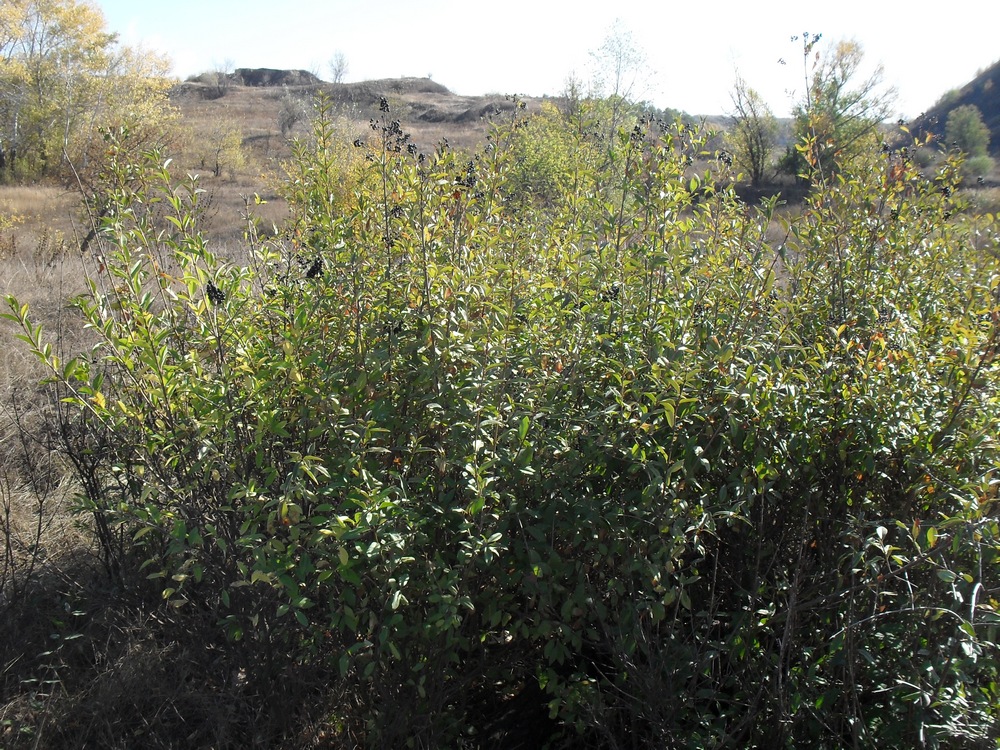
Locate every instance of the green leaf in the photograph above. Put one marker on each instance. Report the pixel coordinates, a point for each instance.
(669, 413)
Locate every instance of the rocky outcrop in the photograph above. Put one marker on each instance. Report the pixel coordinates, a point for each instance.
(273, 77)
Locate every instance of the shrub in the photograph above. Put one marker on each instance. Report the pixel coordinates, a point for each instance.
(613, 470)
(977, 167)
(966, 131)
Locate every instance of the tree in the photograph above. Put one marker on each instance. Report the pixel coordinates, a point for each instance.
(966, 131)
(219, 80)
(222, 150)
(63, 76)
(754, 130)
(338, 67)
(619, 63)
(293, 110)
(839, 113)
(619, 68)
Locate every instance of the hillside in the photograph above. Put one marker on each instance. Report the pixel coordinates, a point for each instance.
(251, 105)
(253, 99)
(983, 91)
(266, 109)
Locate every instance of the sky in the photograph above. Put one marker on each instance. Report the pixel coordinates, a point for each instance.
(693, 49)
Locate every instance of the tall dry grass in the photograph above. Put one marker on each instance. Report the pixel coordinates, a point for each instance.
(36, 201)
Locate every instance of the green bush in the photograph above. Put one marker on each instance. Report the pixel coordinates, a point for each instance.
(607, 470)
(966, 131)
(977, 167)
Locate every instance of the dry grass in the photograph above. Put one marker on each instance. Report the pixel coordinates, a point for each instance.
(985, 200)
(39, 214)
(46, 278)
(37, 200)
(226, 204)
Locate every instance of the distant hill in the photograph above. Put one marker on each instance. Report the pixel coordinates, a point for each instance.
(983, 91)
(417, 99)
(268, 108)
(424, 99)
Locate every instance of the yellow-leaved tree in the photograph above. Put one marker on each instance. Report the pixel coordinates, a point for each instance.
(63, 77)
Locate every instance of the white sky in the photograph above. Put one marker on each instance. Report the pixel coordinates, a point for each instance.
(693, 47)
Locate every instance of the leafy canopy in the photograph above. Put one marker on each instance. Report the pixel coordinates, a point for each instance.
(966, 131)
(841, 109)
(64, 76)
